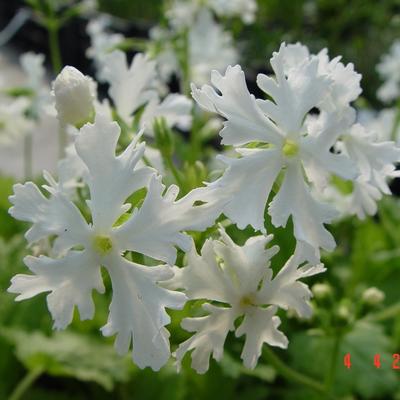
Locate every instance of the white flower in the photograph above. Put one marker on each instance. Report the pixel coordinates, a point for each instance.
(375, 160)
(298, 149)
(389, 70)
(134, 86)
(137, 311)
(217, 54)
(14, 123)
(33, 66)
(244, 9)
(381, 123)
(182, 13)
(345, 87)
(239, 282)
(175, 109)
(102, 42)
(74, 95)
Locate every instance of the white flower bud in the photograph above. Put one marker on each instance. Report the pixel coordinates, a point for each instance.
(373, 296)
(74, 97)
(321, 291)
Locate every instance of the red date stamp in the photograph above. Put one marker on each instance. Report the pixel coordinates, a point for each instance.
(377, 361)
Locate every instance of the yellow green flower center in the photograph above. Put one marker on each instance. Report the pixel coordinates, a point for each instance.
(290, 148)
(102, 244)
(247, 301)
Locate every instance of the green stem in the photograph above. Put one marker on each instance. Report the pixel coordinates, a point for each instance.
(387, 313)
(185, 64)
(171, 166)
(54, 46)
(396, 123)
(330, 377)
(290, 373)
(28, 148)
(24, 385)
(62, 140)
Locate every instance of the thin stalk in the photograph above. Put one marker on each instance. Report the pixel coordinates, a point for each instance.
(62, 140)
(171, 166)
(291, 374)
(54, 46)
(24, 385)
(389, 312)
(330, 377)
(28, 150)
(185, 65)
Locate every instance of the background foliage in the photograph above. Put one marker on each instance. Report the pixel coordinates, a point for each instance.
(80, 364)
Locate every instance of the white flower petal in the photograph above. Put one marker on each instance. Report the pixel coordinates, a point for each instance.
(130, 85)
(260, 326)
(111, 178)
(137, 311)
(155, 229)
(70, 280)
(209, 339)
(49, 216)
(308, 215)
(248, 180)
(245, 122)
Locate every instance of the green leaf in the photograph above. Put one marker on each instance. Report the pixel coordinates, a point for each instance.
(69, 354)
(312, 355)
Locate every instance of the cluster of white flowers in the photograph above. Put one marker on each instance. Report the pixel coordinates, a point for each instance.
(182, 13)
(190, 36)
(389, 69)
(109, 208)
(304, 137)
(19, 110)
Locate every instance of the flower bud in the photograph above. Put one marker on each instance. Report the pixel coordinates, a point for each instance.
(74, 97)
(321, 291)
(373, 296)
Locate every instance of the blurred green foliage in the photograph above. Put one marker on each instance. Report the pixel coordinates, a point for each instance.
(81, 364)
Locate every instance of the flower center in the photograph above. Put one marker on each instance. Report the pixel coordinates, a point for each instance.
(290, 148)
(102, 244)
(247, 301)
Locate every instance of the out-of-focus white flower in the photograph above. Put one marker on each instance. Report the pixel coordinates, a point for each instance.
(132, 87)
(137, 311)
(389, 70)
(33, 66)
(182, 13)
(381, 123)
(216, 55)
(374, 157)
(373, 296)
(175, 109)
(102, 42)
(14, 123)
(239, 282)
(74, 95)
(287, 144)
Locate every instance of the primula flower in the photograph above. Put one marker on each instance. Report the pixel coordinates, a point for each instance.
(133, 86)
(218, 54)
(14, 123)
(182, 14)
(137, 311)
(102, 42)
(389, 70)
(239, 282)
(33, 67)
(275, 140)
